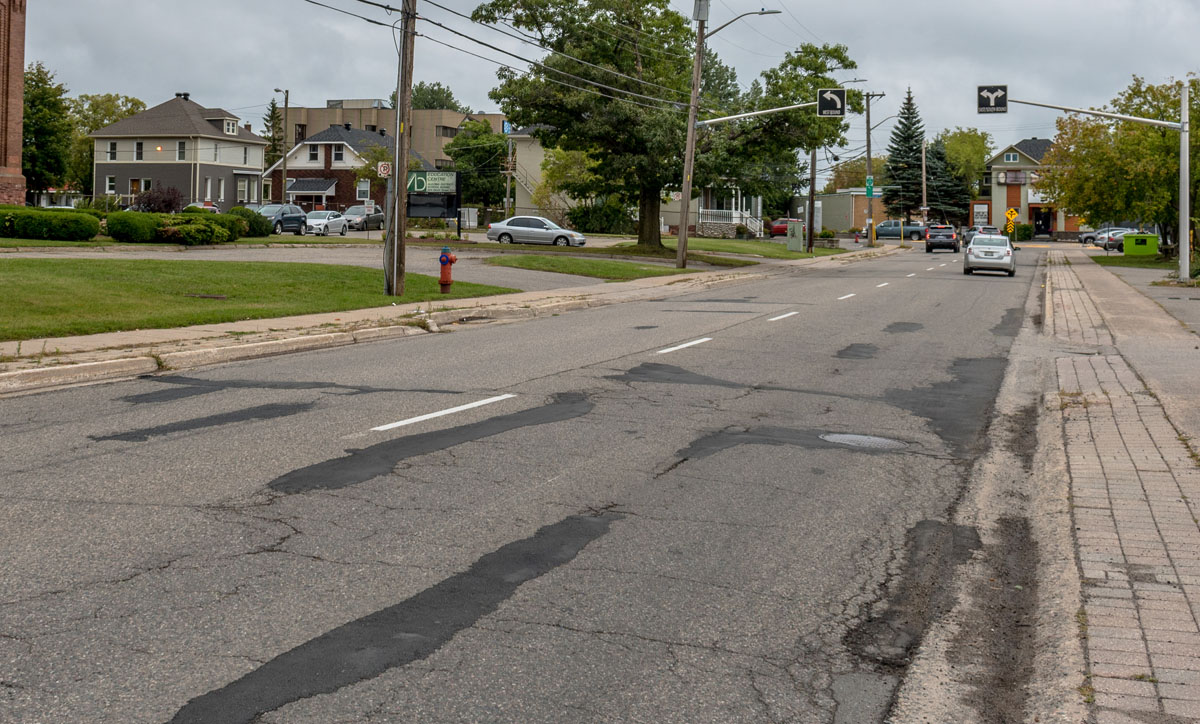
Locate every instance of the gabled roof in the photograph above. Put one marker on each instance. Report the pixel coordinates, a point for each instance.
(1033, 148)
(177, 117)
(311, 186)
(355, 138)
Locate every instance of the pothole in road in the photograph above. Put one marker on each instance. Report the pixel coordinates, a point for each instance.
(867, 441)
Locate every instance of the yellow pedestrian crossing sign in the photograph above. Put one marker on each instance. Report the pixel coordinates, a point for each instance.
(1011, 214)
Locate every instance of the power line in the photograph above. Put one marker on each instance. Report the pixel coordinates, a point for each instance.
(557, 52)
(551, 80)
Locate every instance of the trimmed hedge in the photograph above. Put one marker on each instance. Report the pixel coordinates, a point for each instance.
(257, 224)
(198, 210)
(64, 225)
(234, 226)
(134, 227)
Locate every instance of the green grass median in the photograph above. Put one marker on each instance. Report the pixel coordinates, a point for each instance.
(1137, 262)
(62, 297)
(609, 269)
(765, 249)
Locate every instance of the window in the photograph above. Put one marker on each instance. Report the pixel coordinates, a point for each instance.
(301, 132)
(254, 192)
(110, 184)
(371, 128)
(230, 127)
(220, 189)
(1011, 158)
(137, 151)
(363, 191)
(266, 189)
(314, 153)
(216, 152)
(181, 151)
(443, 163)
(338, 152)
(241, 189)
(112, 150)
(208, 188)
(445, 131)
(245, 155)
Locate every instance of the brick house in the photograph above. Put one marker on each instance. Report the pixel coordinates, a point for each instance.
(204, 152)
(1010, 182)
(321, 169)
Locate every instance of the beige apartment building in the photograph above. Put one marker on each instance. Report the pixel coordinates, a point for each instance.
(429, 131)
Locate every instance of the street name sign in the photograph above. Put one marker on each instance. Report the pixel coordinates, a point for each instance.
(992, 99)
(831, 102)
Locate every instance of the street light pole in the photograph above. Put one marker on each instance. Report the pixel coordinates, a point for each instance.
(1185, 185)
(700, 14)
(286, 148)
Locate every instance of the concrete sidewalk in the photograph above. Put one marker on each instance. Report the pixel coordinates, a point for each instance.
(44, 363)
(1129, 400)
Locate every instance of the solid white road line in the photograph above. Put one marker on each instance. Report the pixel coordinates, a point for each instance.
(913, 274)
(845, 297)
(430, 416)
(881, 285)
(782, 316)
(702, 340)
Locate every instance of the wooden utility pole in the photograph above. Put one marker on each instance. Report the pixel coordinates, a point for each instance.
(398, 228)
(809, 216)
(870, 175)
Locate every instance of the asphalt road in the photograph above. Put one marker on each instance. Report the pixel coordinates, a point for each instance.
(623, 528)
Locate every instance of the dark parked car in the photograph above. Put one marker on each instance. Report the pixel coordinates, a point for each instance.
(941, 235)
(1095, 237)
(285, 217)
(360, 220)
(892, 228)
(779, 227)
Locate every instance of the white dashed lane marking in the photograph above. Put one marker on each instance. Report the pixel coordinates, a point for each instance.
(881, 285)
(846, 297)
(782, 316)
(430, 416)
(702, 340)
(913, 274)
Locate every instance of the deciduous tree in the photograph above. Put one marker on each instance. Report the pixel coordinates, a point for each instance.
(853, 174)
(967, 154)
(91, 112)
(479, 154)
(47, 130)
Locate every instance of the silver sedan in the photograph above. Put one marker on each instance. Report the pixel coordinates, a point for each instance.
(324, 223)
(533, 230)
(990, 253)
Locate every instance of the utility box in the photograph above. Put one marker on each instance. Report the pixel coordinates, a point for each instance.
(796, 240)
(1140, 244)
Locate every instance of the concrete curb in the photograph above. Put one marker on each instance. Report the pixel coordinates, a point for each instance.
(22, 380)
(199, 357)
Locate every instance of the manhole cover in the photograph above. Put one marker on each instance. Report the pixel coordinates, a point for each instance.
(869, 441)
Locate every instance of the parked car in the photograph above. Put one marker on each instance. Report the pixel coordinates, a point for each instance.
(1093, 237)
(940, 235)
(324, 223)
(533, 230)
(971, 232)
(1113, 240)
(206, 205)
(285, 217)
(779, 227)
(891, 229)
(989, 252)
(359, 219)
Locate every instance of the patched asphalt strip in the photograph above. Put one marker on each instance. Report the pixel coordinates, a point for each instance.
(398, 635)
(361, 465)
(262, 412)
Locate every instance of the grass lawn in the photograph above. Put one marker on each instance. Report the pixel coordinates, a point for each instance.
(666, 253)
(98, 241)
(60, 297)
(767, 249)
(1139, 262)
(610, 269)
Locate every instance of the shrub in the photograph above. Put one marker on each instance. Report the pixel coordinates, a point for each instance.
(1022, 232)
(197, 210)
(608, 217)
(193, 230)
(134, 226)
(827, 234)
(855, 230)
(256, 223)
(102, 204)
(159, 200)
(58, 225)
(234, 226)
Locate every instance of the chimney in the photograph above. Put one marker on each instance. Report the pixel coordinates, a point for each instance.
(183, 95)
(382, 132)
(347, 126)
(249, 127)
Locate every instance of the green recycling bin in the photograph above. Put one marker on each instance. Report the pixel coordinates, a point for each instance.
(1140, 244)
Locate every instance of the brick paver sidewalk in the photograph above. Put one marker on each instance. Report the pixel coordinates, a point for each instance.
(1135, 493)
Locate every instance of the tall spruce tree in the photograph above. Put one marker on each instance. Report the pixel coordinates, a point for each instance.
(273, 133)
(902, 195)
(949, 195)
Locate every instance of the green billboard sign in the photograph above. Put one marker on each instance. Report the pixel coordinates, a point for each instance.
(433, 182)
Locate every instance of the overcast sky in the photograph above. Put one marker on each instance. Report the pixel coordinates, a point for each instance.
(232, 53)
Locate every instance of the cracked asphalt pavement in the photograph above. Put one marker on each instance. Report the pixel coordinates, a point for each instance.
(635, 535)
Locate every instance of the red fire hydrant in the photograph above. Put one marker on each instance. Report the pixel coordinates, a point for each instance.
(446, 259)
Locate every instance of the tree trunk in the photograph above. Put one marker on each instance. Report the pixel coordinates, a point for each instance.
(649, 208)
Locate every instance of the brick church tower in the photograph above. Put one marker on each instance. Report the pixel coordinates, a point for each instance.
(12, 99)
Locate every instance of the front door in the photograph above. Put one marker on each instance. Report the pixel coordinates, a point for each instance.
(1043, 220)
